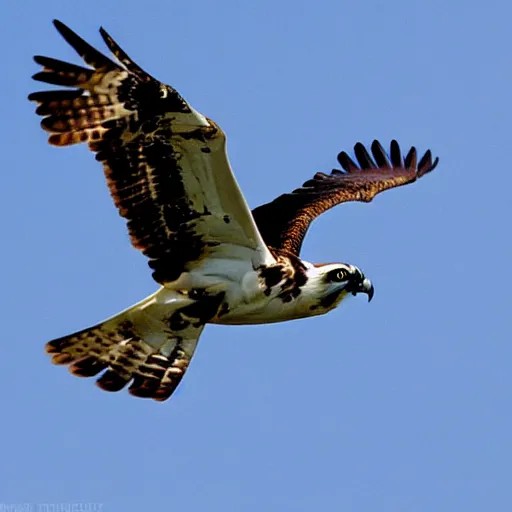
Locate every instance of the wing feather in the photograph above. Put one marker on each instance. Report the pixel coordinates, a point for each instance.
(283, 223)
(166, 165)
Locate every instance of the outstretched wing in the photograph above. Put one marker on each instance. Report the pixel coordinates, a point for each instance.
(283, 223)
(165, 163)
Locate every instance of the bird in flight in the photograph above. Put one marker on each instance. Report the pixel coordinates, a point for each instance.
(216, 261)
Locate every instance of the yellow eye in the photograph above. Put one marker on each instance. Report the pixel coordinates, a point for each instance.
(341, 275)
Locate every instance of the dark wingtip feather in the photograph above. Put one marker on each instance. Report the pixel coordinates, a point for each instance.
(363, 157)
(381, 159)
(70, 36)
(426, 159)
(425, 165)
(90, 55)
(57, 95)
(124, 58)
(59, 25)
(51, 78)
(411, 159)
(109, 41)
(56, 65)
(395, 154)
(347, 163)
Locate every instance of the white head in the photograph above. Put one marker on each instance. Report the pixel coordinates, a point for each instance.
(330, 283)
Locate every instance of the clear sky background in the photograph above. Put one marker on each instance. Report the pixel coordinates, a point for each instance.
(403, 404)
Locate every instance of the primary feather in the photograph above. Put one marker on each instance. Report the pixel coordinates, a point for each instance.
(166, 164)
(283, 223)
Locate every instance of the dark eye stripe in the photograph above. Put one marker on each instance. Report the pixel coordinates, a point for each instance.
(337, 275)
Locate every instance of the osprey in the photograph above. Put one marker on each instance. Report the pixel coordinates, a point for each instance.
(216, 261)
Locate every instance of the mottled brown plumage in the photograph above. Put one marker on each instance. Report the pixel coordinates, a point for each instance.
(283, 223)
(127, 360)
(169, 176)
(143, 133)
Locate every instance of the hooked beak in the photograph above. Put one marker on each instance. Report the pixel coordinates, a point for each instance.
(365, 286)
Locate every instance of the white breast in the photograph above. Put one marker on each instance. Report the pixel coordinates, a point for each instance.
(262, 308)
(247, 300)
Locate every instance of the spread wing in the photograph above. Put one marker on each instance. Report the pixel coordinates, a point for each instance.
(165, 163)
(283, 223)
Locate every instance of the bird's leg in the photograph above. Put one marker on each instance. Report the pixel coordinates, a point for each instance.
(205, 307)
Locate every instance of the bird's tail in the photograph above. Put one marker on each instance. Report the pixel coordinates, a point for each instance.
(136, 346)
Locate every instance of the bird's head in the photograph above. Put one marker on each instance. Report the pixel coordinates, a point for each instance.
(335, 281)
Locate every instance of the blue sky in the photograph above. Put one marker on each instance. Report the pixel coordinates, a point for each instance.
(403, 404)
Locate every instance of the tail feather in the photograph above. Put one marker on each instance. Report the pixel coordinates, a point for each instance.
(88, 366)
(118, 350)
(159, 376)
